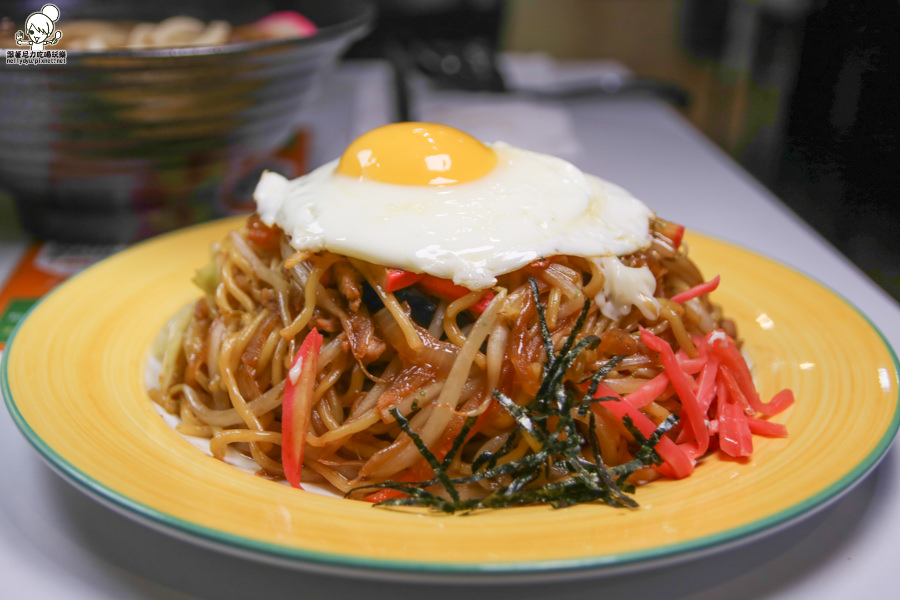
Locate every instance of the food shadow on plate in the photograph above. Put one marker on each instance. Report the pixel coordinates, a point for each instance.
(157, 563)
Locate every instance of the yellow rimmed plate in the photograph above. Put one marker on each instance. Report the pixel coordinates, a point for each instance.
(73, 381)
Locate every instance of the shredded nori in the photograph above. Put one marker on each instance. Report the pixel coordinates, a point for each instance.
(527, 480)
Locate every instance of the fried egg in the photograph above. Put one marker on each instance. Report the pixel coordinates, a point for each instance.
(432, 199)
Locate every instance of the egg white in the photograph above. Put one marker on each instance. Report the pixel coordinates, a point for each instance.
(529, 206)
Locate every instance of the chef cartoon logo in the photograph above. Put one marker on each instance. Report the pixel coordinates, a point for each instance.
(40, 31)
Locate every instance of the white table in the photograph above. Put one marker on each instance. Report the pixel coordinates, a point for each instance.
(57, 543)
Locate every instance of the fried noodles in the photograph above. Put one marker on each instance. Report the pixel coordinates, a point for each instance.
(401, 370)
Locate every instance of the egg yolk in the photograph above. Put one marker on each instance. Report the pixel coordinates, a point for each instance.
(417, 154)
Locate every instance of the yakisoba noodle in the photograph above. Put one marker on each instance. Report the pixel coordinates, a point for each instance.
(423, 392)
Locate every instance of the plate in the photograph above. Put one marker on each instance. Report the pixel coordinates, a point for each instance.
(73, 380)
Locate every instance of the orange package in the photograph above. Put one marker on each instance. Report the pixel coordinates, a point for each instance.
(42, 267)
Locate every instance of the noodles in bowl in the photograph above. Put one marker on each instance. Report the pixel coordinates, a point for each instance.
(571, 353)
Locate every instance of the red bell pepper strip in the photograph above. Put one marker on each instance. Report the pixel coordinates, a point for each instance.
(780, 401)
(766, 428)
(696, 291)
(706, 389)
(735, 393)
(296, 407)
(723, 345)
(689, 365)
(678, 463)
(735, 438)
(445, 288)
(723, 378)
(397, 279)
(649, 391)
(684, 387)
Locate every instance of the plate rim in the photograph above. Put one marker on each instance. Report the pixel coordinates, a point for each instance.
(376, 567)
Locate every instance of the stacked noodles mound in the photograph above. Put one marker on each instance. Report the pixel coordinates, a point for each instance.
(458, 366)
